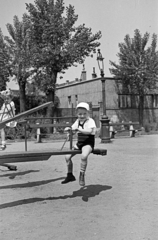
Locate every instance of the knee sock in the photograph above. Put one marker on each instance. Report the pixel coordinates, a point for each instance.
(83, 165)
(3, 142)
(69, 166)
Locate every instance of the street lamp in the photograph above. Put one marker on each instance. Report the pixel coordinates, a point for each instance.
(105, 133)
(100, 60)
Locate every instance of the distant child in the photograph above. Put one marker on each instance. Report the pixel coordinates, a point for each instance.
(7, 111)
(86, 128)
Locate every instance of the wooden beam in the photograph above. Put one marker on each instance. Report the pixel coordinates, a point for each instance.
(123, 123)
(24, 114)
(13, 157)
(32, 125)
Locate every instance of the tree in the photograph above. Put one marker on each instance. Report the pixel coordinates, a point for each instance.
(58, 44)
(137, 69)
(19, 48)
(4, 63)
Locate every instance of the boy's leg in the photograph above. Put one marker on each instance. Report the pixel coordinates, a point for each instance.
(86, 150)
(3, 146)
(70, 177)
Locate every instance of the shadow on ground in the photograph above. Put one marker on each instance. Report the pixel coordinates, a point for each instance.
(30, 184)
(13, 175)
(85, 193)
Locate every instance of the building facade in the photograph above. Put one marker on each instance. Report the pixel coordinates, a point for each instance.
(89, 91)
(124, 106)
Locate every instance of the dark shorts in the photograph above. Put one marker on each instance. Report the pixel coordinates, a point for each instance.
(84, 139)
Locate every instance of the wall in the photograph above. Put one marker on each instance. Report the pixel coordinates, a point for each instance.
(88, 91)
(91, 91)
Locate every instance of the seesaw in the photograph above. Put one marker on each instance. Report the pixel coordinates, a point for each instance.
(18, 116)
(31, 156)
(13, 157)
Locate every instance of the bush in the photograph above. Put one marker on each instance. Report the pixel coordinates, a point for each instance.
(15, 133)
(147, 127)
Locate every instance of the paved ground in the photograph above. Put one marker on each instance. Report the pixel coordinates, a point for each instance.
(119, 201)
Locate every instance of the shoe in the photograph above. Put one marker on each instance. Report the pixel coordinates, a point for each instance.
(2, 147)
(70, 178)
(82, 179)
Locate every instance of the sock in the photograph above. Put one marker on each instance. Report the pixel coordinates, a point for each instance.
(3, 142)
(83, 165)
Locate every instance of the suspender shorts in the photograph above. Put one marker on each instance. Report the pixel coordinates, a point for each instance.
(85, 139)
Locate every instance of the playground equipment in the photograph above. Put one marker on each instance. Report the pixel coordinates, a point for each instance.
(13, 157)
(27, 156)
(16, 117)
(24, 114)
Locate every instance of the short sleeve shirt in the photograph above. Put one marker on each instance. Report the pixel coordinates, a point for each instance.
(89, 123)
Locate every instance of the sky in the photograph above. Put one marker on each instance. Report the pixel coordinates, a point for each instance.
(114, 18)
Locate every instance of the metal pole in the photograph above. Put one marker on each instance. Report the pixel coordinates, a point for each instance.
(72, 113)
(105, 133)
(103, 96)
(71, 138)
(25, 138)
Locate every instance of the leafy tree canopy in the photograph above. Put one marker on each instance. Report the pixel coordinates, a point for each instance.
(58, 43)
(19, 45)
(138, 64)
(4, 63)
(19, 49)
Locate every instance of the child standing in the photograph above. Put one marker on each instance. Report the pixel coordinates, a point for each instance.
(86, 128)
(7, 111)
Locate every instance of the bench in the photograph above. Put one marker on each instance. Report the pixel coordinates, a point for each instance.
(37, 123)
(38, 126)
(122, 127)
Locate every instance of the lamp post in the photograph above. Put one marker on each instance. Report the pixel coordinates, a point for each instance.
(105, 133)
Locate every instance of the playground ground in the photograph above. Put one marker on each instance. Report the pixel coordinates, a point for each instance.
(119, 201)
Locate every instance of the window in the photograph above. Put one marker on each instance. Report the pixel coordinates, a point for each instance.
(133, 101)
(155, 101)
(90, 105)
(124, 101)
(69, 101)
(76, 99)
(149, 101)
(128, 101)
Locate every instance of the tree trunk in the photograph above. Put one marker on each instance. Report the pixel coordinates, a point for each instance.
(141, 111)
(22, 86)
(51, 97)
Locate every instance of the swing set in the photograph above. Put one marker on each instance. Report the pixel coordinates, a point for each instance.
(28, 156)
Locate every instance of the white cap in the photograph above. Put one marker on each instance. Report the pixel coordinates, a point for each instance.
(83, 105)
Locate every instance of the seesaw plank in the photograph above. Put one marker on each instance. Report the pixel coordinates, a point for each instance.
(24, 114)
(12, 157)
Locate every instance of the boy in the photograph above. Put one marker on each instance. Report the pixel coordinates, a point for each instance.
(86, 128)
(7, 111)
